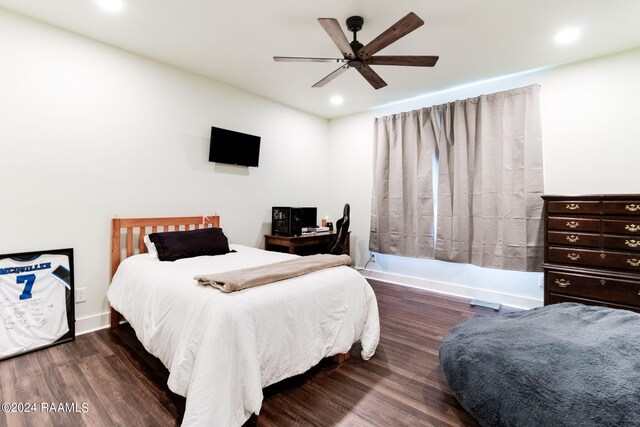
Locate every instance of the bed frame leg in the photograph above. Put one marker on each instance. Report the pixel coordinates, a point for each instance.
(340, 358)
(115, 319)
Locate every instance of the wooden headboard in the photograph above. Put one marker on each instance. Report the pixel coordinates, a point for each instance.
(137, 228)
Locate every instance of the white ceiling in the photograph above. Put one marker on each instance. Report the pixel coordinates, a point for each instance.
(234, 41)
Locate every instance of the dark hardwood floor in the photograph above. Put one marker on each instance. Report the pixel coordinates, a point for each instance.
(121, 384)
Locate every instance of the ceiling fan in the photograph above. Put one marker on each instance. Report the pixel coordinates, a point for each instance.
(360, 57)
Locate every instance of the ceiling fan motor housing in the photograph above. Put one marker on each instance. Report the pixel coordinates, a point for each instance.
(356, 46)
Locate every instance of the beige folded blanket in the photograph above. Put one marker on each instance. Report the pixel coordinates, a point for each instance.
(236, 280)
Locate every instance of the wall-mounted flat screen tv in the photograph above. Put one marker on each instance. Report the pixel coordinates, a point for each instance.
(234, 148)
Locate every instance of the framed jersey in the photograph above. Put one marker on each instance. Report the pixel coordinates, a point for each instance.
(36, 301)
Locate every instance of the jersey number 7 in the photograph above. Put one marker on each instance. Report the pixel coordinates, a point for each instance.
(28, 280)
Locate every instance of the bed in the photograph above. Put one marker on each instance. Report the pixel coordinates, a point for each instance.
(221, 349)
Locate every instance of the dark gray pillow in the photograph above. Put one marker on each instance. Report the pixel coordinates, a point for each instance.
(174, 245)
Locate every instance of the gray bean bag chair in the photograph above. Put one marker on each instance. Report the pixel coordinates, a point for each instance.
(560, 365)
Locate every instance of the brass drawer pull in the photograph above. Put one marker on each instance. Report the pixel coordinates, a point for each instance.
(573, 206)
(632, 208)
(633, 262)
(603, 256)
(563, 283)
(575, 257)
(575, 224)
(632, 227)
(632, 243)
(573, 239)
(603, 282)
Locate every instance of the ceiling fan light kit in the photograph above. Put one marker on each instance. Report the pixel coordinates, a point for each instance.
(359, 56)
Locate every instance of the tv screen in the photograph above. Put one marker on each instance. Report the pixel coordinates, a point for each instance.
(234, 148)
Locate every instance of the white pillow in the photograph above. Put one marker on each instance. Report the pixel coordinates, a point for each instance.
(151, 247)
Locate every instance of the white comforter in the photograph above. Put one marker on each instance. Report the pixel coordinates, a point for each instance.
(222, 349)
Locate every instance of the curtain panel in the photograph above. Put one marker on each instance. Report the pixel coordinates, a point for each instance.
(490, 181)
(402, 203)
(489, 166)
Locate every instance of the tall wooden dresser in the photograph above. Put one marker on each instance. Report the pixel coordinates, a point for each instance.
(592, 250)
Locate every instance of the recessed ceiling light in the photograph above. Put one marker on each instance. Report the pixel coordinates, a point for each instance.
(568, 35)
(113, 6)
(336, 100)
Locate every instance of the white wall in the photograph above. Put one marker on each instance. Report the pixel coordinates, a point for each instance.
(88, 131)
(591, 126)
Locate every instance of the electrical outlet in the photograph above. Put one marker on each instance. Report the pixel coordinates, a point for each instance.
(541, 281)
(81, 294)
(373, 257)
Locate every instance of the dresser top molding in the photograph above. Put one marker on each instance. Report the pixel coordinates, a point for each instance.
(594, 197)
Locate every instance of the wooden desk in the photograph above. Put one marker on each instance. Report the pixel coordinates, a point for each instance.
(306, 244)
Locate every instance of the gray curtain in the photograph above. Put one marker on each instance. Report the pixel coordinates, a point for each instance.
(489, 159)
(402, 204)
(490, 181)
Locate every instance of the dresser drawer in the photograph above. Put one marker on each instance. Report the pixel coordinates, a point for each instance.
(626, 226)
(627, 243)
(571, 256)
(621, 260)
(556, 299)
(598, 287)
(630, 207)
(573, 224)
(573, 239)
(574, 207)
(594, 258)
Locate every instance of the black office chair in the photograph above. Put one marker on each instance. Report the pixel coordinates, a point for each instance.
(336, 245)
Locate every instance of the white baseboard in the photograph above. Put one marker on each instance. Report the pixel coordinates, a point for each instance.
(84, 325)
(453, 289)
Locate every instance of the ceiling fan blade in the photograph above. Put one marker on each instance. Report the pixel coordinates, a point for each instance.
(305, 59)
(371, 76)
(331, 76)
(393, 33)
(332, 27)
(415, 61)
